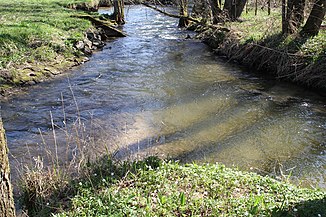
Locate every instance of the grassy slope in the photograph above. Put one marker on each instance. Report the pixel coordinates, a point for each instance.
(167, 189)
(257, 42)
(35, 34)
(158, 188)
(264, 26)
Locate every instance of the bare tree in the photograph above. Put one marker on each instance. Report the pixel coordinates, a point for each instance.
(118, 13)
(183, 21)
(294, 15)
(284, 25)
(315, 19)
(7, 208)
(269, 7)
(202, 8)
(216, 11)
(234, 8)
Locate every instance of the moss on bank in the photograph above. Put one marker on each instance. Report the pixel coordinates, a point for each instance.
(159, 188)
(257, 42)
(38, 38)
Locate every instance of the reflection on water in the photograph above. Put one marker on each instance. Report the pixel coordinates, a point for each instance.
(155, 92)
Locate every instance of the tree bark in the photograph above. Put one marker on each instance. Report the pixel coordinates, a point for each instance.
(256, 7)
(234, 8)
(269, 7)
(315, 19)
(118, 13)
(294, 16)
(183, 21)
(7, 207)
(284, 26)
(201, 9)
(228, 7)
(216, 11)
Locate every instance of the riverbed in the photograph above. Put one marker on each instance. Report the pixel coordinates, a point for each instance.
(159, 92)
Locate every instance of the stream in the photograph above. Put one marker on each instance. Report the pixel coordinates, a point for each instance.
(156, 92)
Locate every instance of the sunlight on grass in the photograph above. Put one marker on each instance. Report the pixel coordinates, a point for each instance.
(33, 30)
(263, 26)
(157, 188)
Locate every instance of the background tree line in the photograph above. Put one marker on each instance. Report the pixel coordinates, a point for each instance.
(293, 12)
(220, 11)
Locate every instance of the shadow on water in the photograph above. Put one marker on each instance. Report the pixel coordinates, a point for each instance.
(271, 111)
(216, 124)
(237, 135)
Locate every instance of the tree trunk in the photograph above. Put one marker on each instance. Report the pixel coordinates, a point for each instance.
(256, 7)
(315, 19)
(294, 16)
(269, 7)
(201, 9)
(7, 208)
(118, 14)
(183, 21)
(234, 8)
(299, 11)
(228, 8)
(284, 26)
(216, 11)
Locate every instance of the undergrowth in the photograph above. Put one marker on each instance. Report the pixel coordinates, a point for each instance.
(155, 187)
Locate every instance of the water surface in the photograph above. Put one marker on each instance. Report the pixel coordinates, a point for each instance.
(155, 92)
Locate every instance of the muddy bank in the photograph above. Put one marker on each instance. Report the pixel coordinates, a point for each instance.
(265, 57)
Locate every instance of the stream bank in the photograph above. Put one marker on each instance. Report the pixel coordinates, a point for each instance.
(46, 39)
(285, 58)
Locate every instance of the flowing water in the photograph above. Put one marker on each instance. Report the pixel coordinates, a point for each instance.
(155, 92)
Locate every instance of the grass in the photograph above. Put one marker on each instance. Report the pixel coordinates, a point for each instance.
(37, 33)
(257, 42)
(255, 28)
(266, 28)
(153, 187)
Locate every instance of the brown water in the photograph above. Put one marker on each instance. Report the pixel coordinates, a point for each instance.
(155, 92)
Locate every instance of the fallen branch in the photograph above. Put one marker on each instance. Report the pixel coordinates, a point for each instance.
(170, 15)
(105, 25)
(197, 21)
